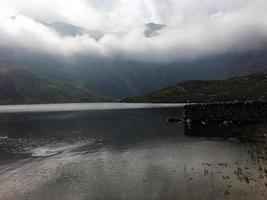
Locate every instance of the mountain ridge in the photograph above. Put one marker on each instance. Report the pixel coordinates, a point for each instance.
(117, 78)
(252, 87)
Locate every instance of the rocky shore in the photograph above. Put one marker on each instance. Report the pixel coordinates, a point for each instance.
(245, 120)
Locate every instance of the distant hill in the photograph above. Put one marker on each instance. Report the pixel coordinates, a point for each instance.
(118, 78)
(85, 76)
(66, 29)
(19, 86)
(251, 87)
(151, 29)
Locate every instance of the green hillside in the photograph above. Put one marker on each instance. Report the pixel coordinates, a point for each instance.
(20, 86)
(241, 88)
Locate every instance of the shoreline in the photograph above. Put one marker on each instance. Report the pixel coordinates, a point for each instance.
(242, 120)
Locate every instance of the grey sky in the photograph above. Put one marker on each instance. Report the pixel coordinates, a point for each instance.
(195, 27)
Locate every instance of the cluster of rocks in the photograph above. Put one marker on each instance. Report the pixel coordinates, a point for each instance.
(232, 119)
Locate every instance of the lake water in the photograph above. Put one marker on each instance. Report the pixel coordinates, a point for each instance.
(120, 152)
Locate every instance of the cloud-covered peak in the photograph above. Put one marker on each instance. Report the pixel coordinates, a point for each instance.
(152, 29)
(134, 29)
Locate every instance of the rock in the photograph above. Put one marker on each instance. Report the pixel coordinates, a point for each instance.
(174, 120)
(231, 119)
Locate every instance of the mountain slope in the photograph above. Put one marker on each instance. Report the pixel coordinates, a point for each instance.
(19, 86)
(251, 87)
(120, 77)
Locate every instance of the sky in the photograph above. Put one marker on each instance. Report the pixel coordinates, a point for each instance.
(195, 28)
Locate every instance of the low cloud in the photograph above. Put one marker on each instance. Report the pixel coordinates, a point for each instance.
(194, 28)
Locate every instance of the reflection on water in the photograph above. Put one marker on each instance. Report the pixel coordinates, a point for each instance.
(122, 154)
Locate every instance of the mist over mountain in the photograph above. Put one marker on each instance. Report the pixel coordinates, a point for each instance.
(120, 78)
(115, 49)
(181, 30)
(71, 30)
(152, 29)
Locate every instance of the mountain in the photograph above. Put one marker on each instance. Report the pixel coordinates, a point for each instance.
(253, 87)
(97, 79)
(152, 29)
(118, 78)
(19, 86)
(66, 29)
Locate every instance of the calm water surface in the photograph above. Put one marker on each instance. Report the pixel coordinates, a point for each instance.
(119, 151)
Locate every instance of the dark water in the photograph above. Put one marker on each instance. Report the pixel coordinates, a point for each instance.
(119, 151)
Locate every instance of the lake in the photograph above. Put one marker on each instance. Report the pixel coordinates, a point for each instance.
(118, 151)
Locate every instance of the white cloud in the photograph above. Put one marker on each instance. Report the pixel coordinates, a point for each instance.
(195, 28)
